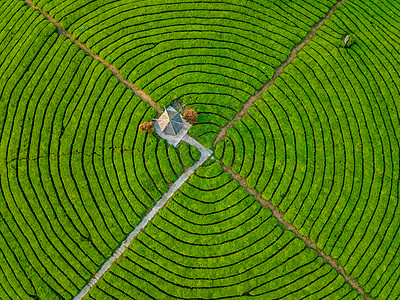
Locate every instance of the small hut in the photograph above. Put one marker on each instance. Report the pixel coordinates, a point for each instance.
(171, 126)
(170, 122)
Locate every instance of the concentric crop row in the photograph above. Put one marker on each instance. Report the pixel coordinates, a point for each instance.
(214, 241)
(212, 55)
(76, 175)
(323, 143)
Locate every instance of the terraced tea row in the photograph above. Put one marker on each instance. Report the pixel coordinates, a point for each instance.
(212, 55)
(323, 143)
(214, 241)
(189, 154)
(76, 175)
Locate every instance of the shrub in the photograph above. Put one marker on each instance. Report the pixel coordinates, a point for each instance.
(195, 153)
(190, 116)
(147, 126)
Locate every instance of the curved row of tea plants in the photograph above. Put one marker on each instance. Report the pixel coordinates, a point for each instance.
(323, 144)
(188, 154)
(212, 55)
(76, 176)
(214, 241)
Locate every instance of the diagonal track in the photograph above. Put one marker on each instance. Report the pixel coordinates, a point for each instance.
(110, 67)
(278, 71)
(288, 226)
(205, 153)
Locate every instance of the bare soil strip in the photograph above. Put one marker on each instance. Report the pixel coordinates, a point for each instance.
(288, 226)
(205, 154)
(110, 67)
(278, 71)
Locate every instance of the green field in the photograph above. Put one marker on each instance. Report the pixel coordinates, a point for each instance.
(76, 176)
(320, 146)
(214, 241)
(212, 55)
(323, 145)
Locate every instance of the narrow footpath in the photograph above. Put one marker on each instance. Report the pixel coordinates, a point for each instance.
(288, 226)
(110, 67)
(278, 71)
(205, 154)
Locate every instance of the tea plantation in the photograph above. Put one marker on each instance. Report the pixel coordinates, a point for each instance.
(213, 241)
(76, 176)
(301, 199)
(323, 145)
(212, 55)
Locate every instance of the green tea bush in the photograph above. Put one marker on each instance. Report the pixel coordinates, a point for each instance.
(222, 242)
(76, 176)
(210, 55)
(188, 154)
(323, 144)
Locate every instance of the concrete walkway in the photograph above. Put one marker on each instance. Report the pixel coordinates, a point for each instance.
(205, 154)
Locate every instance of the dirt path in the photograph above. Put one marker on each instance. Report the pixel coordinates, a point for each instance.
(288, 226)
(110, 67)
(293, 54)
(205, 153)
(276, 213)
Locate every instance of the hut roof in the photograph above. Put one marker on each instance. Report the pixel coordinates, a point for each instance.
(170, 121)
